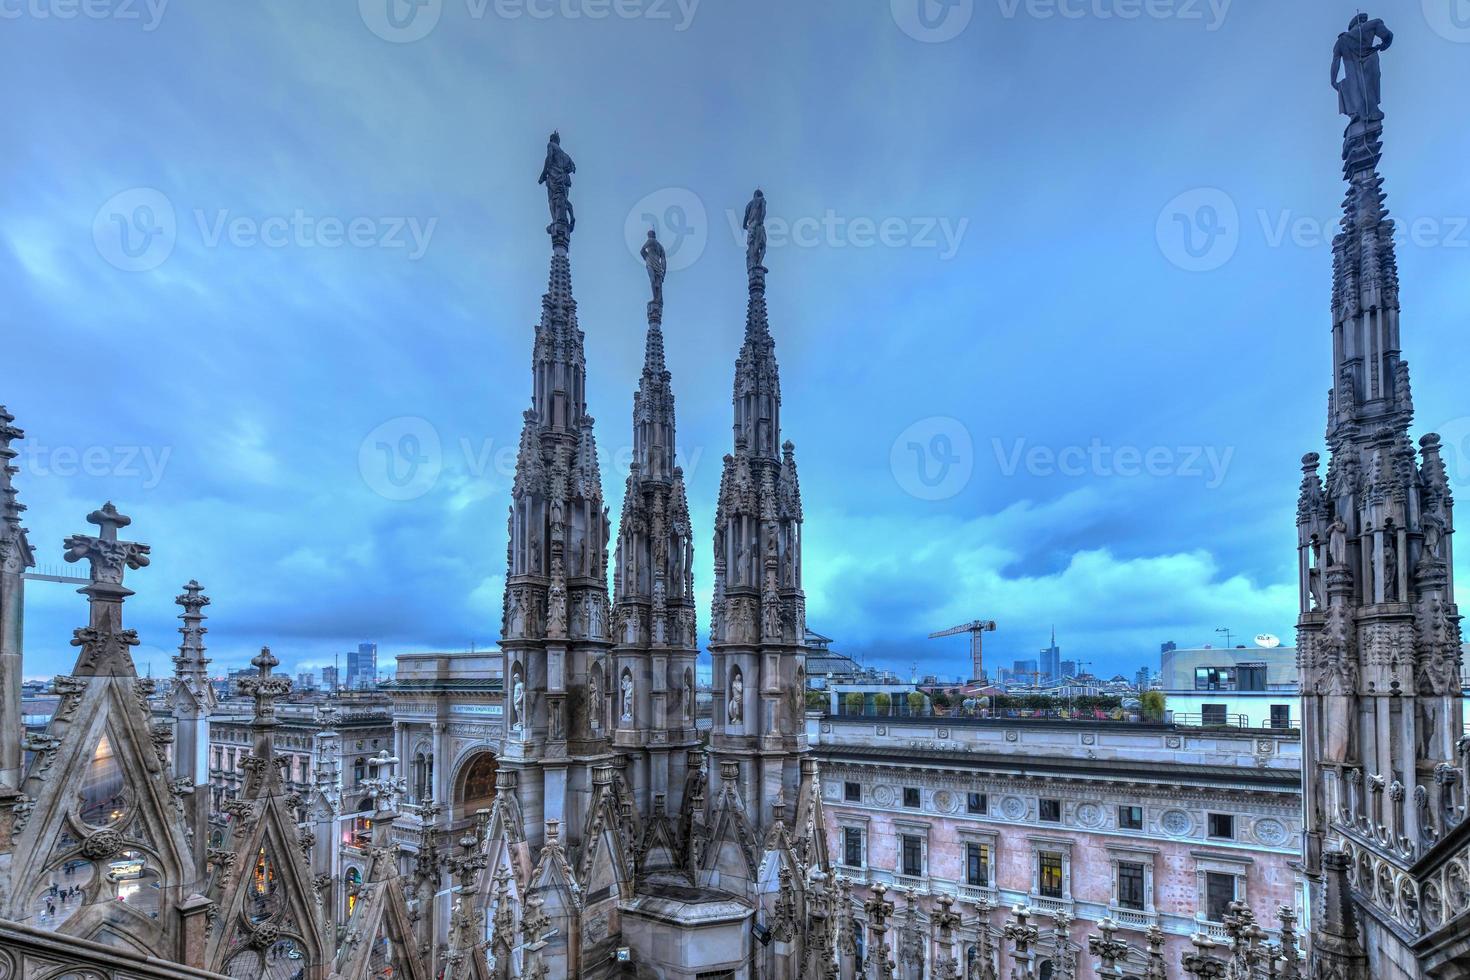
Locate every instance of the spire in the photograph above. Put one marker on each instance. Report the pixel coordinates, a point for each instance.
(103, 641)
(191, 667)
(16, 555)
(757, 378)
(1370, 383)
(262, 775)
(13, 543)
(655, 582)
(555, 614)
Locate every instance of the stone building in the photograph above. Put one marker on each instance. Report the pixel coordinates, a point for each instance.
(1146, 825)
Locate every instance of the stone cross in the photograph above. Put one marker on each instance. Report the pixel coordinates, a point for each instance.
(382, 786)
(1108, 949)
(879, 909)
(1155, 970)
(1022, 936)
(108, 556)
(1200, 964)
(945, 919)
(986, 945)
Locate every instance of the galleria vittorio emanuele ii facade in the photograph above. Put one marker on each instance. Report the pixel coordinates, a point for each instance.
(556, 810)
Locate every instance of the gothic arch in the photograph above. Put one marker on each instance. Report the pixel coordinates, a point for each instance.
(473, 787)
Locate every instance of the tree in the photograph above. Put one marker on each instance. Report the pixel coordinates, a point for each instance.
(883, 702)
(854, 703)
(816, 700)
(916, 703)
(1154, 704)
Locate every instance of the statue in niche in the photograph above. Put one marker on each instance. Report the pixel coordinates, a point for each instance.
(627, 716)
(518, 614)
(688, 697)
(1427, 728)
(518, 705)
(1337, 542)
(1355, 57)
(594, 700)
(736, 709)
(595, 629)
(535, 552)
(1390, 565)
(1433, 533)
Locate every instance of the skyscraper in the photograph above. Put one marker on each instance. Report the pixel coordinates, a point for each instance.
(1051, 658)
(362, 665)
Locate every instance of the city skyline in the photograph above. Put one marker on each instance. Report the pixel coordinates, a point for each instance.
(273, 430)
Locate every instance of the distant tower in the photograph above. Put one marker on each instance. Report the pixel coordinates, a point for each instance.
(192, 698)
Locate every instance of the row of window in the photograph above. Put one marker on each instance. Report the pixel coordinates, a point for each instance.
(1129, 892)
(1220, 826)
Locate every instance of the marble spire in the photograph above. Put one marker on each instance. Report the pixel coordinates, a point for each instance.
(653, 677)
(16, 555)
(1378, 635)
(555, 624)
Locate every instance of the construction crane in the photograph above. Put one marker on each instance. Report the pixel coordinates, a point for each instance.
(976, 629)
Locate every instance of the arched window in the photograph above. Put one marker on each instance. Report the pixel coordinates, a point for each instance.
(420, 778)
(352, 879)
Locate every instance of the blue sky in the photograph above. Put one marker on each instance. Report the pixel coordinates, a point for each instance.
(245, 244)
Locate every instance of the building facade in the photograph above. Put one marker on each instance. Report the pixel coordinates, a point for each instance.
(1147, 825)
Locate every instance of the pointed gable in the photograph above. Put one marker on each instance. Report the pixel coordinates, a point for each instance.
(99, 815)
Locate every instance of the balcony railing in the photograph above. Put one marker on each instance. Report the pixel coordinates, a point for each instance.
(918, 883)
(1050, 906)
(1132, 918)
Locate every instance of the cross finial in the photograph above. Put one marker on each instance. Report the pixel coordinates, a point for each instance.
(108, 556)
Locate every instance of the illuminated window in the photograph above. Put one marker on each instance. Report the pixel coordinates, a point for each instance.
(1049, 874)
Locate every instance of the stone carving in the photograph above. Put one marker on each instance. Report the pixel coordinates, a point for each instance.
(657, 263)
(518, 705)
(1176, 823)
(1270, 832)
(556, 174)
(1355, 57)
(755, 232)
(1013, 808)
(1337, 543)
(736, 709)
(108, 556)
(627, 692)
(1089, 815)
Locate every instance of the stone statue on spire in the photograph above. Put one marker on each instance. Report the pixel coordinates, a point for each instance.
(755, 232)
(556, 174)
(657, 261)
(1355, 57)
